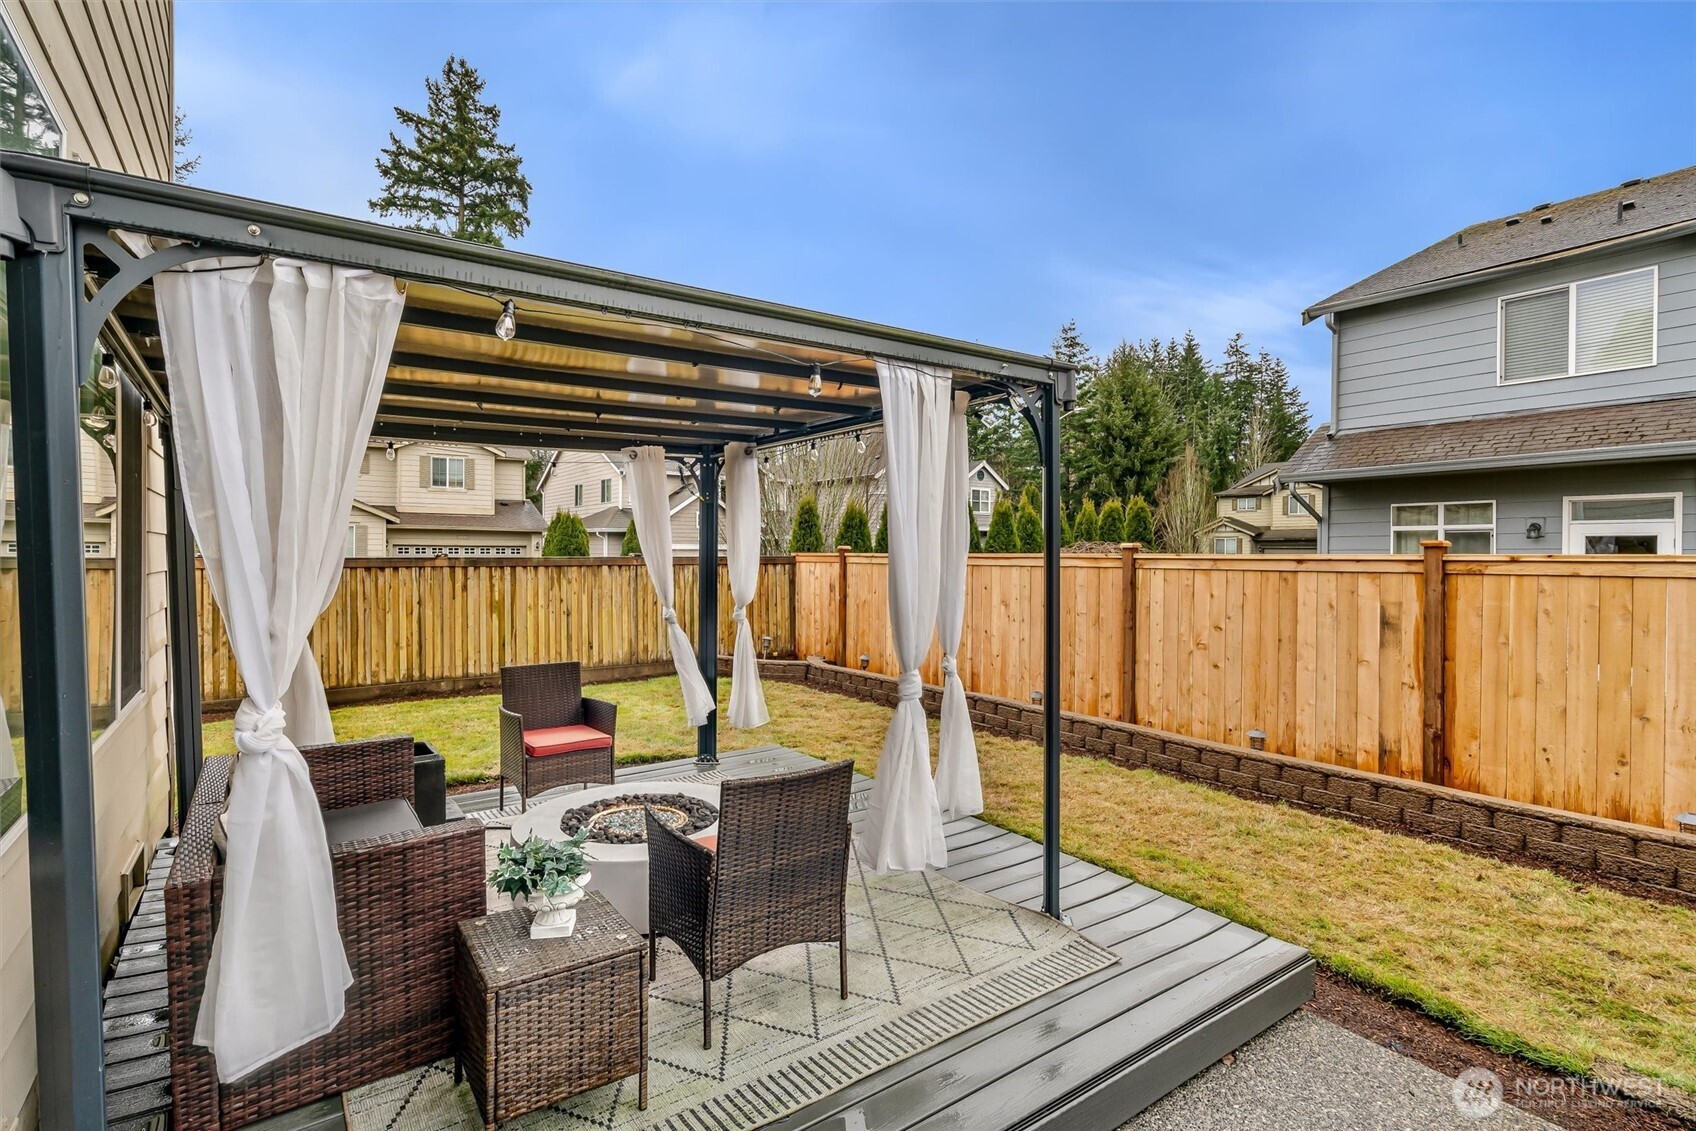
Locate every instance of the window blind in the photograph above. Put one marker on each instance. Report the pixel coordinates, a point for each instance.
(1534, 336)
(1616, 322)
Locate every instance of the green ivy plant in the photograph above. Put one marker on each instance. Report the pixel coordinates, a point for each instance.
(526, 869)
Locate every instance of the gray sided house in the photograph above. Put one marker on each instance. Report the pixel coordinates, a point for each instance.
(1526, 386)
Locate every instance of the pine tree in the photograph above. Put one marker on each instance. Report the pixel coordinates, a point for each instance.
(974, 536)
(1139, 522)
(567, 537)
(856, 529)
(1067, 535)
(631, 547)
(1110, 526)
(880, 544)
(808, 535)
(1003, 536)
(455, 177)
(1087, 528)
(1028, 526)
(1125, 433)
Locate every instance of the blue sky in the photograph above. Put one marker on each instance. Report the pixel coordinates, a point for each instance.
(979, 171)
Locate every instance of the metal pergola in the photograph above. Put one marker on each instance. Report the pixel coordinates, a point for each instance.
(598, 360)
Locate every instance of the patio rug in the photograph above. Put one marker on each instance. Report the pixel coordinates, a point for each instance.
(928, 958)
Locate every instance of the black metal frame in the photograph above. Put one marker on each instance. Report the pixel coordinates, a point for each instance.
(52, 212)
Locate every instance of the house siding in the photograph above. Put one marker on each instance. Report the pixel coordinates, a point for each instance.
(1358, 517)
(1433, 358)
(588, 469)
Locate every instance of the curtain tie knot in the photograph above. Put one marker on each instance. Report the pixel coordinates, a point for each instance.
(949, 667)
(258, 732)
(739, 614)
(669, 616)
(910, 687)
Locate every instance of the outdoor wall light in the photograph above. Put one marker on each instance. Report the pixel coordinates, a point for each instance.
(815, 383)
(865, 661)
(389, 452)
(1534, 529)
(506, 326)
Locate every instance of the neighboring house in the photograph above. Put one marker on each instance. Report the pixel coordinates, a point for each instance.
(427, 500)
(1259, 514)
(1525, 386)
(91, 82)
(985, 488)
(595, 486)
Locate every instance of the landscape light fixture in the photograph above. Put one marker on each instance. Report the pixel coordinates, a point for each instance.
(506, 326)
(765, 647)
(389, 451)
(815, 383)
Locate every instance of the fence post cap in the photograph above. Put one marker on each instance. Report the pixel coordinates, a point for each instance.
(1434, 544)
(845, 549)
(1130, 547)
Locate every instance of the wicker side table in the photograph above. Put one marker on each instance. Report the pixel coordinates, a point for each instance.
(544, 1019)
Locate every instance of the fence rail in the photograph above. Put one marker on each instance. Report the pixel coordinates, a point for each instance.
(1565, 682)
(452, 622)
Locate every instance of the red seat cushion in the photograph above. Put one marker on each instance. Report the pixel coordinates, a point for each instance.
(544, 741)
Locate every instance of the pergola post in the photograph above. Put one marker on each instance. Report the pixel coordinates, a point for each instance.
(1049, 442)
(706, 625)
(58, 750)
(183, 615)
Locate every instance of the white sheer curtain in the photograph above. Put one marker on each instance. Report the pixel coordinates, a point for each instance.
(903, 830)
(275, 374)
(959, 789)
(9, 764)
(652, 515)
(742, 522)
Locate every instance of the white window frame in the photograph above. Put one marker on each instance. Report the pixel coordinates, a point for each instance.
(447, 463)
(352, 544)
(1573, 533)
(1253, 502)
(606, 491)
(1236, 541)
(1571, 289)
(1293, 509)
(577, 494)
(987, 495)
(1442, 526)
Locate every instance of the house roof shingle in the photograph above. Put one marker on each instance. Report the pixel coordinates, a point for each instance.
(1636, 208)
(1250, 484)
(1655, 429)
(518, 515)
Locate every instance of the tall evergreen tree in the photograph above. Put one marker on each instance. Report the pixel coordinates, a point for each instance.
(1003, 535)
(1124, 434)
(808, 535)
(856, 529)
(974, 536)
(566, 537)
(1028, 528)
(455, 176)
(631, 547)
(1139, 522)
(1110, 526)
(880, 544)
(1086, 528)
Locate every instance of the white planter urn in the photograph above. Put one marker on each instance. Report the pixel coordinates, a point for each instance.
(556, 917)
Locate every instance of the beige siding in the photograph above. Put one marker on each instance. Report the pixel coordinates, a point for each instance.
(585, 469)
(370, 534)
(509, 478)
(377, 477)
(17, 972)
(1301, 519)
(106, 69)
(412, 478)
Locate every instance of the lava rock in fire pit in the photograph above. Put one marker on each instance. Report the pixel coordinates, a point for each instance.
(620, 820)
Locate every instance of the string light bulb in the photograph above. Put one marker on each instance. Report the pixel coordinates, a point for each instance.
(389, 452)
(108, 374)
(860, 443)
(506, 326)
(148, 417)
(813, 448)
(815, 383)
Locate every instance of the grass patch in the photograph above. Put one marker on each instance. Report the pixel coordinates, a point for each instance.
(1520, 959)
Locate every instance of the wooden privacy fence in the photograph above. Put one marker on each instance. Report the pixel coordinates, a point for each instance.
(1565, 682)
(449, 622)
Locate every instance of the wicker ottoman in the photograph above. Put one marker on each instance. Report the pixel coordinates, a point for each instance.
(540, 1020)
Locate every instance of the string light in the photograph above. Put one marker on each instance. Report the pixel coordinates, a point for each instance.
(860, 443)
(815, 383)
(108, 375)
(813, 448)
(389, 452)
(506, 326)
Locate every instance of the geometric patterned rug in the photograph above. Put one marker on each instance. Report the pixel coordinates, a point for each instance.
(928, 958)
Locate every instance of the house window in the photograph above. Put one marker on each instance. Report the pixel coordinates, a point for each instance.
(1623, 524)
(1293, 507)
(27, 122)
(982, 500)
(352, 547)
(1227, 544)
(1470, 528)
(447, 471)
(606, 490)
(1247, 504)
(1594, 326)
(577, 494)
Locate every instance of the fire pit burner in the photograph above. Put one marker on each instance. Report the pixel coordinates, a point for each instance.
(620, 820)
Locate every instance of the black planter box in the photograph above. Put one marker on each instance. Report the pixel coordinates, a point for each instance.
(429, 785)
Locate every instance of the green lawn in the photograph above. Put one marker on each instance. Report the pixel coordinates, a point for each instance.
(1574, 977)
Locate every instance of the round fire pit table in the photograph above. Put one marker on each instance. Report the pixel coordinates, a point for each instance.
(620, 871)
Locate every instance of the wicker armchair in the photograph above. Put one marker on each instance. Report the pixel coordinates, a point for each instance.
(550, 734)
(779, 876)
(399, 900)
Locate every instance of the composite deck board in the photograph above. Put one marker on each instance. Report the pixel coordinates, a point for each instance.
(1189, 985)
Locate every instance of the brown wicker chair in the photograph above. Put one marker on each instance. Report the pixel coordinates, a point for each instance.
(399, 900)
(577, 743)
(779, 876)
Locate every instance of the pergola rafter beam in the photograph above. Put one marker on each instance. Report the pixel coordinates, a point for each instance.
(461, 394)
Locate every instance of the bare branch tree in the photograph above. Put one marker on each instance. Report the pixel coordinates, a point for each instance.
(834, 471)
(1184, 505)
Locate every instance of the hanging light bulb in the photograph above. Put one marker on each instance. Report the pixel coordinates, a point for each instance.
(813, 448)
(108, 375)
(815, 383)
(110, 441)
(860, 443)
(389, 452)
(506, 326)
(148, 417)
(98, 420)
